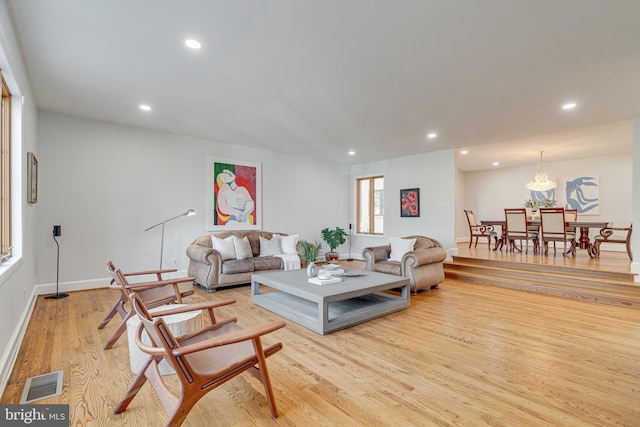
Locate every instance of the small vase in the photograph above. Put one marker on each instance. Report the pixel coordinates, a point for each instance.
(311, 269)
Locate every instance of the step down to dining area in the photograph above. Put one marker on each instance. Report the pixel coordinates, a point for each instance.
(578, 283)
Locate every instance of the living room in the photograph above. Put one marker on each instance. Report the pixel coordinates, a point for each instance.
(105, 183)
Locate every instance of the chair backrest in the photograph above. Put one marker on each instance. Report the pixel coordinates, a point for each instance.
(471, 218)
(162, 340)
(111, 268)
(516, 220)
(157, 295)
(553, 221)
(569, 216)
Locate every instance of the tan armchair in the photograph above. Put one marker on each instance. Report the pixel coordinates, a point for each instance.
(423, 265)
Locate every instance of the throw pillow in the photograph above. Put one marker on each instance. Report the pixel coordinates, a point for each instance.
(399, 247)
(270, 247)
(243, 247)
(289, 244)
(224, 246)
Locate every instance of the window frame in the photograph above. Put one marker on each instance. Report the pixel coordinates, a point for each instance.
(371, 209)
(6, 242)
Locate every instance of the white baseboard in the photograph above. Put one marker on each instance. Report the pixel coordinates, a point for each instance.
(82, 285)
(13, 346)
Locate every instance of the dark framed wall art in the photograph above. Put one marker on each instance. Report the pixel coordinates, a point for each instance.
(32, 178)
(410, 202)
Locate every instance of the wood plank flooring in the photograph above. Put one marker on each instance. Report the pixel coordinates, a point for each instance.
(608, 261)
(464, 355)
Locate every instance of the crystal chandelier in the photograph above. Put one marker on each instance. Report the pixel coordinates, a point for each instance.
(541, 182)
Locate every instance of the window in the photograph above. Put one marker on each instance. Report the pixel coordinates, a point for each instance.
(5, 173)
(370, 205)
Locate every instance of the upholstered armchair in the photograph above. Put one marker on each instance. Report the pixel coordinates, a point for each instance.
(418, 258)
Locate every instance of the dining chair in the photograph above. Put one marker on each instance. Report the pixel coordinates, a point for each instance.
(478, 230)
(518, 227)
(570, 215)
(553, 229)
(614, 235)
(155, 294)
(203, 360)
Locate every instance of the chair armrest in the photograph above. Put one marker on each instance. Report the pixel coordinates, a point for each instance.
(230, 338)
(164, 282)
(374, 254)
(607, 234)
(193, 307)
(141, 273)
(202, 254)
(424, 256)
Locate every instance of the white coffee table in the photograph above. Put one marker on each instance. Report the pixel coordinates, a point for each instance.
(328, 308)
(178, 324)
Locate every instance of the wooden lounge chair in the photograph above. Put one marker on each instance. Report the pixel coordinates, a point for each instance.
(155, 293)
(118, 307)
(202, 360)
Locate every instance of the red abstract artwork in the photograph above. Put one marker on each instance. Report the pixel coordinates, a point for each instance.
(410, 202)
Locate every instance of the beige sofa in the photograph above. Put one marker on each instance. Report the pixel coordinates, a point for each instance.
(423, 265)
(212, 272)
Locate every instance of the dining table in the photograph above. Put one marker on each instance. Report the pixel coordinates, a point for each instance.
(583, 242)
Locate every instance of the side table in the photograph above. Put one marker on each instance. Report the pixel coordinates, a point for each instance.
(179, 324)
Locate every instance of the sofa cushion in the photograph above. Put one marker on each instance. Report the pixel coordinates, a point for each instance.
(224, 246)
(242, 247)
(270, 247)
(399, 247)
(267, 263)
(388, 267)
(233, 266)
(289, 244)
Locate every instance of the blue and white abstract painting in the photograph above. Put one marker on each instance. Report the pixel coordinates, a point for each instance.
(543, 195)
(583, 194)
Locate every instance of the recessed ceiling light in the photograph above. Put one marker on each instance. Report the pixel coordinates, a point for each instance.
(464, 152)
(193, 44)
(352, 153)
(569, 106)
(432, 135)
(496, 163)
(145, 107)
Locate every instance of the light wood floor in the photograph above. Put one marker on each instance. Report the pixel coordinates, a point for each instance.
(614, 261)
(464, 355)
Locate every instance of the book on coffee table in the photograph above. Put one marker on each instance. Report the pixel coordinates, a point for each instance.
(330, 281)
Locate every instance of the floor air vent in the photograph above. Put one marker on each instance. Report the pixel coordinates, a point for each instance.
(42, 387)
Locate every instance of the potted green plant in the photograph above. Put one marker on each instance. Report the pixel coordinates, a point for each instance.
(334, 238)
(309, 252)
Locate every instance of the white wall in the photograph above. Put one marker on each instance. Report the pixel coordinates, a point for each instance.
(488, 192)
(106, 183)
(17, 275)
(434, 174)
(635, 237)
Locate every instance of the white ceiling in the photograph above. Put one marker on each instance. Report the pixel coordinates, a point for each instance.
(323, 77)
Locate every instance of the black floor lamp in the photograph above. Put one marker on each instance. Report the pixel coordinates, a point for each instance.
(350, 258)
(57, 231)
